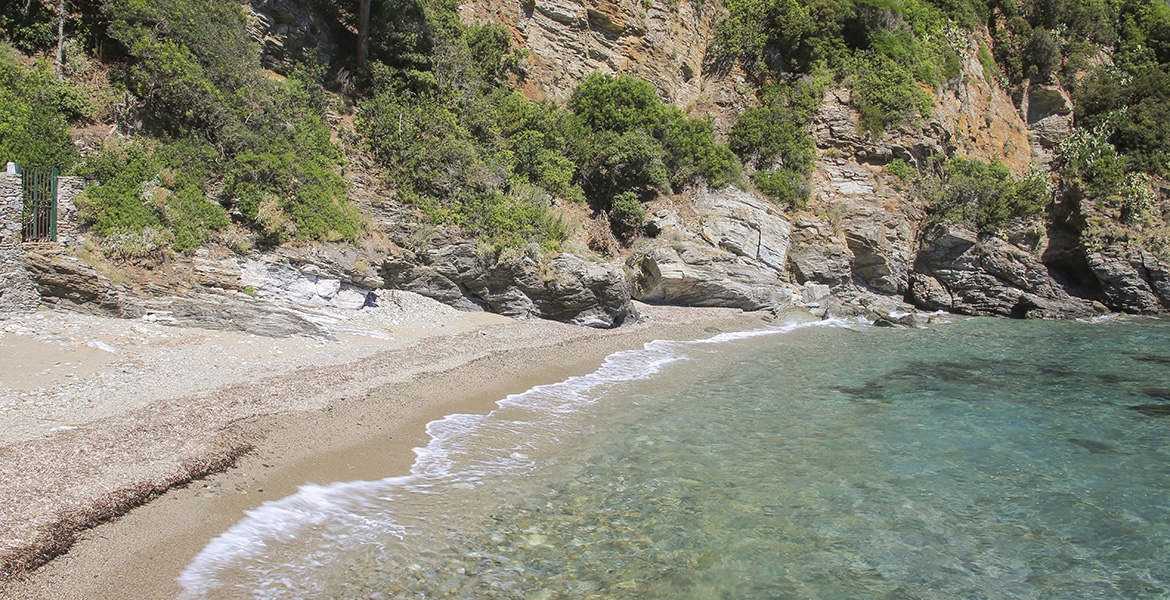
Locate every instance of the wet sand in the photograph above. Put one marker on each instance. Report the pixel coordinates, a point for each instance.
(367, 432)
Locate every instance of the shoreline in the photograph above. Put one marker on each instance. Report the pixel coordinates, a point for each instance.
(353, 420)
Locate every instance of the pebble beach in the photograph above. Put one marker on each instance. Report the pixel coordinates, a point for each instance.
(127, 444)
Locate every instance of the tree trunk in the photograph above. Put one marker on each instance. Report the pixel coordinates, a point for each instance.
(60, 42)
(363, 49)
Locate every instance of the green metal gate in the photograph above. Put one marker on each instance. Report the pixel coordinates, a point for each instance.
(39, 216)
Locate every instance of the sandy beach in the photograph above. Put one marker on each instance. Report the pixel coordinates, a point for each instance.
(127, 445)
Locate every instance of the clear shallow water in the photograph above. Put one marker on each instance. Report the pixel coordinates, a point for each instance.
(978, 459)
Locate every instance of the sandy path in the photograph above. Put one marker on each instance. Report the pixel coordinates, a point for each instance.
(285, 412)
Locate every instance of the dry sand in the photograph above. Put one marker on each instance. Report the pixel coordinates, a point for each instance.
(126, 446)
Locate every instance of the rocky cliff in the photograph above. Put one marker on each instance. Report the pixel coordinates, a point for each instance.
(863, 244)
(665, 43)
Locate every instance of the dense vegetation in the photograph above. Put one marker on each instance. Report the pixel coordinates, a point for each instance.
(459, 143)
(986, 195)
(434, 108)
(892, 53)
(35, 111)
(215, 133)
(224, 149)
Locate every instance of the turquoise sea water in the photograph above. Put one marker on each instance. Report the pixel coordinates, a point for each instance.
(974, 459)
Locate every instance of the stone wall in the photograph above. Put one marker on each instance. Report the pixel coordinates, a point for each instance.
(18, 291)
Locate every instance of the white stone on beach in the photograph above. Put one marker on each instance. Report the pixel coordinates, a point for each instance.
(102, 346)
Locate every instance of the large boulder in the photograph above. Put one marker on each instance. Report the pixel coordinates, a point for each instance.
(723, 247)
(1132, 280)
(740, 223)
(565, 288)
(881, 243)
(235, 312)
(819, 261)
(958, 270)
(696, 274)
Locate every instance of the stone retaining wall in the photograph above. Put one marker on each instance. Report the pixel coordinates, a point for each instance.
(18, 291)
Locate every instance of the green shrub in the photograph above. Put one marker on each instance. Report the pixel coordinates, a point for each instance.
(298, 176)
(30, 26)
(692, 154)
(482, 161)
(618, 103)
(1138, 198)
(35, 109)
(490, 44)
(144, 200)
(467, 151)
(987, 195)
(627, 210)
(990, 69)
(786, 187)
(886, 93)
(621, 162)
(1088, 155)
(764, 136)
(898, 168)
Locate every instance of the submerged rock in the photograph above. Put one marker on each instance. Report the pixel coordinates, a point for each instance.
(1153, 410)
(909, 321)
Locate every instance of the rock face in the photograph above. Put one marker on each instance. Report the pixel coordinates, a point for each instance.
(287, 30)
(66, 281)
(662, 42)
(566, 288)
(278, 279)
(960, 271)
(1132, 280)
(862, 238)
(210, 310)
(1122, 276)
(715, 248)
(1049, 112)
(210, 293)
(972, 118)
(691, 274)
(744, 225)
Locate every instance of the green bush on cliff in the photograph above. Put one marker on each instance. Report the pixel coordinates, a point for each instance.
(788, 187)
(886, 93)
(191, 69)
(145, 190)
(459, 146)
(774, 139)
(889, 49)
(627, 210)
(617, 139)
(638, 143)
(986, 195)
(35, 109)
(1087, 156)
(617, 103)
(30, 26)
(766, 135)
